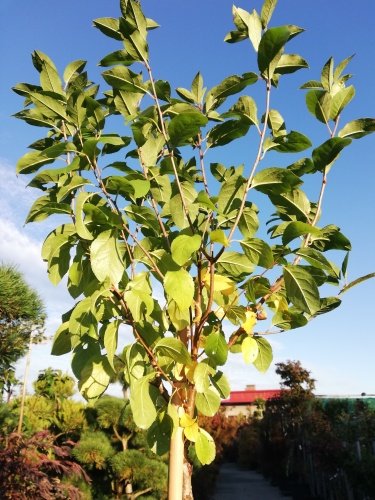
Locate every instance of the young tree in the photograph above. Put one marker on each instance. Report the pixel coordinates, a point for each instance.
(117, 452)
(158, 220)
(21, 317)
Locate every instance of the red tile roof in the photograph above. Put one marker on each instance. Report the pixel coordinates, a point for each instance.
(248, 396)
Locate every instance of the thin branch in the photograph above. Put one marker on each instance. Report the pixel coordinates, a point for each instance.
(201, 161)
(138, 336)
(170, 150)
(117, 211)
(257, 160)
(153, 202)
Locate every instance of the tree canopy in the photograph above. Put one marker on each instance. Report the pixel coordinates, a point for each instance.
(21, 316)
(163, 242)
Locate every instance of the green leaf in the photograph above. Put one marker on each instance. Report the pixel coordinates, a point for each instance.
(109, 26)
(327, 152)
(201, 376)
(229, 86)
(208, 402)
(219, 236)
(328, 304)
(110, 337)
(265, 357)
(72, 69)
(275, 180)
(232, 85)
(276, 123)
(294, 203)
(81, 227)
(250, 350)
(331, 239)
(294, 142)
(95, 377)
(289, 63)
(289, 320)
(245, 107)
(258, 252)
(50, 103)
(344, 265)
(227, 132)
(270, 46)
(358, 128)
(249, 23)
(197, 87)
(184, 127)
(221, 384)
(184, 247)
(177, 210)
(316, 259)
(357, 282)
(122, 78)
(140, 303)
(249, 222)
(319, 103)
(61, 343)
(301, 289)
(230, 194)
(185, 94)
(180, 318)
(234, 265)
(106, 259)
(216, 348)
(32, 161)
(295, 229)
(158, 435)
(340, 100)
(173, 348)
(143, 397)
(205, 448)
(179, 286)
(267, 10)
(43, 208)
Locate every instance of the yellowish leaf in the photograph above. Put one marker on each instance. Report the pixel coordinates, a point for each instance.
(251, 319)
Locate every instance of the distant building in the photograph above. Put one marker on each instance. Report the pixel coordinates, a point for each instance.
(245, 402)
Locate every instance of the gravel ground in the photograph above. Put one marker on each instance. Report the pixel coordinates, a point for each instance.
(234, 483)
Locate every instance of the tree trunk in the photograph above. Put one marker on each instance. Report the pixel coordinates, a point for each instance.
(176, 465)
(187, 486)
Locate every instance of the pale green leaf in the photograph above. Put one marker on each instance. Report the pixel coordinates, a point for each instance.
(267, 10)
(184, 248)
(258, 252)
(143, 396)
(295, 229)
(216, 347)
(110, 337)
(219, 236)
(201, 376)
(358, 128)
(106, 259)
(301, 289)
(173, 348)
(265, 356)
(205, 447)
(250, 350)
(208, 402)
(179, 286)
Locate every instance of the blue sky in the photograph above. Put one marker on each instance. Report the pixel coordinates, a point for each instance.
(339, 347)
